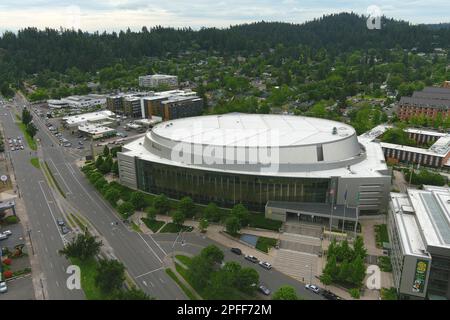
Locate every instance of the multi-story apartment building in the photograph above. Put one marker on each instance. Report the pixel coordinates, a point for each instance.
(156, 80)
(171, 105)
(429, 102)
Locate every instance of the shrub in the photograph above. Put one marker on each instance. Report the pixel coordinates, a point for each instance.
(7, 274)
(355, 293)
(7, 261)
(11, 220)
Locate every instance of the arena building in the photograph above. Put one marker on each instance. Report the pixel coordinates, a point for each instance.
(282, 164)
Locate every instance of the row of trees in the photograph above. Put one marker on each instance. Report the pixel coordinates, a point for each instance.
(109, 273)
(345, 265)
(424, 176)
(214, 281)
(27, 120)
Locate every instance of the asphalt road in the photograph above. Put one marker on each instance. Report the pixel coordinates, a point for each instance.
(195, 242)
(42, 211)
(142, 255)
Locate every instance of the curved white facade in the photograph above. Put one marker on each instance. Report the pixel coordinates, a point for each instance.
(253, 158)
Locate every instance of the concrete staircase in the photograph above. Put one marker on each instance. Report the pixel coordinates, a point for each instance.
(297, 264)
(297, 242)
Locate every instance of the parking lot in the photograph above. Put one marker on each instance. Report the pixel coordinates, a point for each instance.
(77, 142)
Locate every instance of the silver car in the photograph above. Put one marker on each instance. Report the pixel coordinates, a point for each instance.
(3, 287)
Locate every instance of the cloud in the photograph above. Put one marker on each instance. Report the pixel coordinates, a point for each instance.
(119, 14)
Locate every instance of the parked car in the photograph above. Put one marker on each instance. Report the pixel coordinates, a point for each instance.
(80, 143)
(251, 258)
(64, 230)
(7, 232)
(329, 295)
(236, 251)
(67, 144)
(264, 290)
(265, 265)
(3, 287)
(3, 236)
(312, 288)
(60, 222)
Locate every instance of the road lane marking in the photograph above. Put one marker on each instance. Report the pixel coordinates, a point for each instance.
(144, 274)
(145, 283)
(51, 212)
(161, 280)
(59, 173)
(157, 257)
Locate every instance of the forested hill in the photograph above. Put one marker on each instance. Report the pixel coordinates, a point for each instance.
(31, 50)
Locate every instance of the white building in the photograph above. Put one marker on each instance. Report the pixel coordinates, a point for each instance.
(261, 161)
(78, 102)
(155, 80)
(100, 117)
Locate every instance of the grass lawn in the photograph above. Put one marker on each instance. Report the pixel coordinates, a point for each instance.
(35, 163)
(184, 259)
(174, 228)
(381, 235)
(264, 244)
(153, 225)
(185, 289)
(135, 227)
(88, 274)
(31, 142)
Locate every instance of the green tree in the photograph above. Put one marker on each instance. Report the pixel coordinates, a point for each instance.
(138, 200)
(219, 286)
(83, 247)
(358, 247)
(151, 213)
(112, 195)
(358, 271)
(241, 212)
(232, 225)
(99, 162)
(126, 209)
(31, 129)
(285, 293)
(203, 225)
(115, 168)
(110, 275)
(178, 217)
(212, 254)
(199, 272)
(26, 116)
(211, 212)
(105, 151)
(187, 207)
(248, 278)
(162, 204)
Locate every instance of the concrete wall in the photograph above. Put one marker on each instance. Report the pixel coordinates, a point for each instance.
(127, 170)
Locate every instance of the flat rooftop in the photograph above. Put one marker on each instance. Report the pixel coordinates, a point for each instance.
(91, 116)
(408, 228)
(432, 209)
(251, 130)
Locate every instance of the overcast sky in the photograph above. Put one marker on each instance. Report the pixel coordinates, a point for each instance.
(93, 15)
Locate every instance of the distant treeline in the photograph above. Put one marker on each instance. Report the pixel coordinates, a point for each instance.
(31, 50)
